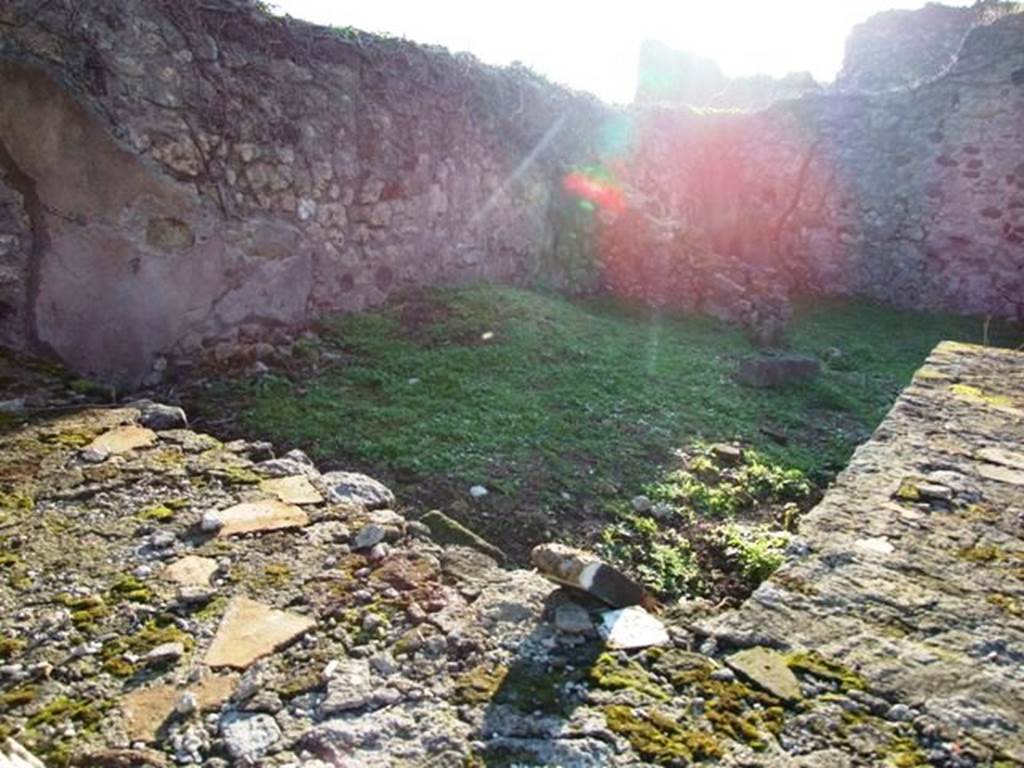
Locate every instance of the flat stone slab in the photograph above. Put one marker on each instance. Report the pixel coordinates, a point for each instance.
(252, 630)
(122, 440)
(632, 628)
(147, 709)
(1012, 459)
(191, 571)
(254, 516)
(922, 604)
(767, 669)
(1001, 474)
(295, 489)
(214, 690)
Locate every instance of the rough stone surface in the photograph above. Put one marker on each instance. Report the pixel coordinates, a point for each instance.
(931, 619)
(632, 627)
(573, 618)
(14, 755)
(898, 616)
(896, 49)
(248, 737)
(349, 687)
(294, 489)
(147, 709)
(161, 416)
(356, 488)
(251, 630)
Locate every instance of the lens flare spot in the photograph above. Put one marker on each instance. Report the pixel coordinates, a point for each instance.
(596, 187)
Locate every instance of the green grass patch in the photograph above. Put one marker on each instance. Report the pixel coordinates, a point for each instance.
(536, 396)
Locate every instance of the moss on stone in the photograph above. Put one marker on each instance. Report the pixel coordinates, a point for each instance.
(18, 697)
(816, 665)
(741, 713)
(299, 683)
(659, 738)
(155, 632)
(531, 687)
(9, 559)
(1007, 604)
(908, 491)
(610, 673)
(17, 501)
(906, 753)
(982, 554)
(794, 584)
(85, 712)
(273, 576)
(130, 588)
(159, 513)
(118, 666)
(86, 610)
(89, 388)
(479, 684)
(446, 531)
(10, 647)
(213, 609)
(240, 476)
(975, 395)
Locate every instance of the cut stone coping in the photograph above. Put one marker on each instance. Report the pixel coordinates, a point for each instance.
(920, 606)
(253, 516)
(251, 630)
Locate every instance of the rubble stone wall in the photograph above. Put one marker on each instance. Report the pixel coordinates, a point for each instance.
(201, 166)
(912, 196)
(173, 172)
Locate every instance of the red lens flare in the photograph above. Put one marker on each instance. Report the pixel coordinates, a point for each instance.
(599, 192)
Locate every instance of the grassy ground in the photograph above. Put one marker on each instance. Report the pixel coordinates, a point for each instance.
(560, 409)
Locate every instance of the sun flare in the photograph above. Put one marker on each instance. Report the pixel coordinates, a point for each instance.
(593, 46)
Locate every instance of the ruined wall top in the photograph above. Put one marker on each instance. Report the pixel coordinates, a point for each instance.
(896, 49)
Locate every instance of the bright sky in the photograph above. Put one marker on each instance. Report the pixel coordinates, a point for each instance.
(593, 45)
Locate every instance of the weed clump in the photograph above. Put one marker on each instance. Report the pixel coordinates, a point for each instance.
(679, 546)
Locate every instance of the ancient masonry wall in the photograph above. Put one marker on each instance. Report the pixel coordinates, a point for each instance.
(912, 196)
(175, 172)
(194, 167)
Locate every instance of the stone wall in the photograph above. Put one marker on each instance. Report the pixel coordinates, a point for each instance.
(177, 173)
(912, 196)
(201, 166)
(896, 49)
(667, 76)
